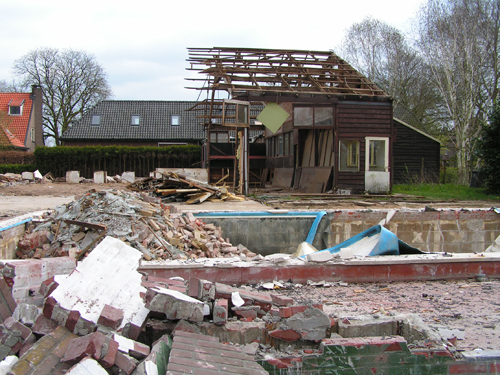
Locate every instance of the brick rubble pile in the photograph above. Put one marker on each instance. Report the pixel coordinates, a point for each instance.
(139, 220)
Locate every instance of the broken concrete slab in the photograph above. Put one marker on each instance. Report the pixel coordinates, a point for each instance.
(100, 177)
(73, 177)
(174, 304)
(312, 324)
(107, 276)
(87, 366)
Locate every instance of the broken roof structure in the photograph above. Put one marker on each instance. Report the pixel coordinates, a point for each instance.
(327, 126)
(280, 75)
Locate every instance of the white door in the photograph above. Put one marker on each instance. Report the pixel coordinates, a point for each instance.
(377, 175)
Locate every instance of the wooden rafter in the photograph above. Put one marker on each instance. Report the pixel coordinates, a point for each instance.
(246, 70)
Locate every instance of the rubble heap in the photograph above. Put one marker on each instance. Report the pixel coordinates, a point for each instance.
(107, 318)
(141, 221)
(173, 187)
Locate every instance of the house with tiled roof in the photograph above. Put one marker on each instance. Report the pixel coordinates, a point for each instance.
(21, 119)
(136, 123)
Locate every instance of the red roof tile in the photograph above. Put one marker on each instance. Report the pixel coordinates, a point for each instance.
(18, 125)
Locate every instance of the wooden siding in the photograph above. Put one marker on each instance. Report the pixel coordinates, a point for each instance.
(412, 151)
(357, 121)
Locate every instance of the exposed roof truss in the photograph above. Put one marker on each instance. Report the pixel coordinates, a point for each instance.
(245, 72)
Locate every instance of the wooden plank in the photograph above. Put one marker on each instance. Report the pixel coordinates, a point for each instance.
(86, 225)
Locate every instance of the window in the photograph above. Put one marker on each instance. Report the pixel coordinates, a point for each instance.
(135, 120)
(242, 114)
(349, 156)
(96, 120)
(32, 135)
(15, 110)
(377, 154)
(175, 120)
(313, 116)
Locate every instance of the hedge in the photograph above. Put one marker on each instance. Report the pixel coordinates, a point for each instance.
(17, 168)
(114, 159)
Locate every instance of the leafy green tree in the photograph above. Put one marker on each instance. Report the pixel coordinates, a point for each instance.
(489, 151)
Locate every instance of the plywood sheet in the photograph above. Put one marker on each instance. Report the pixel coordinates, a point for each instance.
(314, 179)
(283, 177)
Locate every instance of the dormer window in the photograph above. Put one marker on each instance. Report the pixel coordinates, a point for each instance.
(16, 107)
(96, 120)
(135, 120)
(175, 120)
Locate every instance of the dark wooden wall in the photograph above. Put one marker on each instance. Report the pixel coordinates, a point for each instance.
(356, 121)
(416, 156)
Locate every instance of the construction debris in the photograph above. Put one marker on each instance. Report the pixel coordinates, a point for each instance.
(107, 318)
(173, 187)
(142, 221)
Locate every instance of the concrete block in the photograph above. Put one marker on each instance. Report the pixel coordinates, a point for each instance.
(73, 177)
(220, 311)
(128, 177)
(100, 177)
(26, 314)
(320, 256)
(173, 304)
(107, 276)
(87, 366)
(28, 176)
(312, 324)
(281, 300)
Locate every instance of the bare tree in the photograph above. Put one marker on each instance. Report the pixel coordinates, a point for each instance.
(382, 53)
(72, 82)
(459, 40)
(8, 87)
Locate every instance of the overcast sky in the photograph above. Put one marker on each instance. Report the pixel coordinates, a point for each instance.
(142, 46)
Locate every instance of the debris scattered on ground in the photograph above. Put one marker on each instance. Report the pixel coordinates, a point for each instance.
(144, 222)
(173, 187)
(105, 317)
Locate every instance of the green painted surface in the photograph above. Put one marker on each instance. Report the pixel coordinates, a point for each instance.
(273, 116)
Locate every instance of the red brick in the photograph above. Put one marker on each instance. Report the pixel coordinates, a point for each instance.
(281, 300)
(14, 325)
(181, 289)
(125, 363)
(7, 295)
(247, 314)
(396, 343)
(111, 317)
(48, 286)
(73, 317)
(48, 306)
(140, 351)
(195, 288)
(89, 345)
(220, 311)
(285, 335)
(287, 312)
(468, 368)
(283, 363)
(109, 352)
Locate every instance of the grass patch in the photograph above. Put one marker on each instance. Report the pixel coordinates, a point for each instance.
(445, 191)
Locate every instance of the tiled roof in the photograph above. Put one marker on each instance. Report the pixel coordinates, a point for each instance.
(18, 125)
(8, 139)
(154, 124)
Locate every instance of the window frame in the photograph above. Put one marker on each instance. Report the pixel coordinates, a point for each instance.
(352, 149)
(138, 117)
(314, 118)
(177, 121)
(94, 123)
(20, 107)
